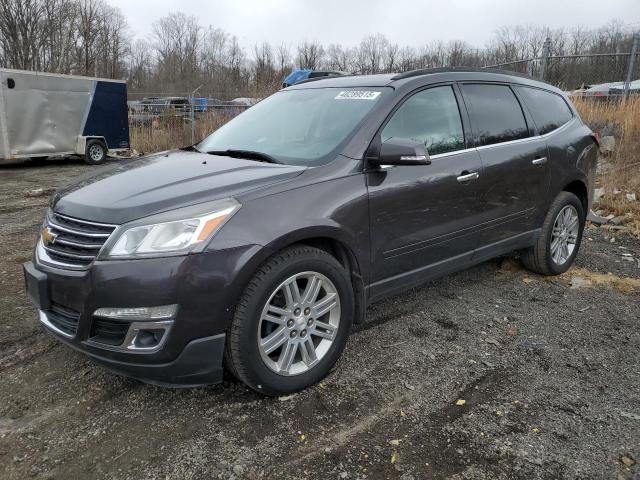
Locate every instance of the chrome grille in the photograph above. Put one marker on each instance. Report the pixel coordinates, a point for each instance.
(75, 243)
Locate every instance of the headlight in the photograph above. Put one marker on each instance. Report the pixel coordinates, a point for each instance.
(175, 235)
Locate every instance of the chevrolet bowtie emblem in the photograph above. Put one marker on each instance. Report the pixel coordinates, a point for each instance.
(48, 237)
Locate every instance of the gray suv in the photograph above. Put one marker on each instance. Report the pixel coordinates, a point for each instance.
(258, 248)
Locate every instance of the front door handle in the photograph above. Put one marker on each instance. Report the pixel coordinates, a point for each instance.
(539, 161)
(466, 176)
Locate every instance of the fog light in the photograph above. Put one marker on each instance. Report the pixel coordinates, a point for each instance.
(147, 336)
(163, 312)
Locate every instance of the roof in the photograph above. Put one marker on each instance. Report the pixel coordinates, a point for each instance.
(58, 75)
(438, 74)
(380, 80)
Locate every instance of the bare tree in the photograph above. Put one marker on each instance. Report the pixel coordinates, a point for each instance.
(264, 67)
(283, 55)
(337, 58)
(177, 38)
(20, 36)
(140, 65)
(310, 55)
(91, 37)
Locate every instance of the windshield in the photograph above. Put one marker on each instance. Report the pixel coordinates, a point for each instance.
(297, 127)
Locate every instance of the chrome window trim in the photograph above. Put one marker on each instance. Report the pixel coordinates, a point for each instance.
(450, 154)
(510, 142)
(561, 127)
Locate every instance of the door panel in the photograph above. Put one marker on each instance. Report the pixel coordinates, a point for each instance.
(514, 183)
(515, 161)
(422, 215)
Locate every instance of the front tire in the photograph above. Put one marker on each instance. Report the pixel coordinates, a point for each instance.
(291, 323)
(560, 237)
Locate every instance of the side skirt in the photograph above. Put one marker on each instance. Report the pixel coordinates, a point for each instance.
(399, 283)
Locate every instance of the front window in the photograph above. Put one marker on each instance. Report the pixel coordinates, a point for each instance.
(297, 127)
(430, 117)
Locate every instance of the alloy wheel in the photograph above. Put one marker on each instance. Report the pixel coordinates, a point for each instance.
(299, 323)
(564, 234)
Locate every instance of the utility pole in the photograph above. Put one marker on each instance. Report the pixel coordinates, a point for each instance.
(546, 49)
(193, 115)
(632, 65)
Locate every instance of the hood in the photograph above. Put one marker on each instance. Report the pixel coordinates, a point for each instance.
(136, 188)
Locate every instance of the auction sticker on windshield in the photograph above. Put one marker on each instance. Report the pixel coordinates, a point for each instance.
(357, 95)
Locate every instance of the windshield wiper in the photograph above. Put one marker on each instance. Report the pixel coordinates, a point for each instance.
(247, 154)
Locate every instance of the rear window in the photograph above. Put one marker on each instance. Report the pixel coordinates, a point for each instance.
(496, 114)
(549, 110)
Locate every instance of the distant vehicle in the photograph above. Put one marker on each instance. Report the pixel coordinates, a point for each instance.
(134, 105)
(246, 101)
(178, 105)
(200, 104)
(153, 110)
(634, 88)
(300, 74)
(45, 114)
(605, 89)
(260, 246)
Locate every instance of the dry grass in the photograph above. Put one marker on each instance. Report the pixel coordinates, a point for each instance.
(174, 132)
(621, 172)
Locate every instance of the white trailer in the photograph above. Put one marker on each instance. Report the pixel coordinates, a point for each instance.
(44, 114)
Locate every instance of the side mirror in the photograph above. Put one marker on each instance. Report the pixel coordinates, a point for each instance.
(401, 151)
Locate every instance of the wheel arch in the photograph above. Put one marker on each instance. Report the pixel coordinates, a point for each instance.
(81, 143)
(579, 189)
(332, 241)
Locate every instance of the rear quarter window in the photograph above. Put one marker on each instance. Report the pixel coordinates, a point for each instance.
(549, 110)
(496, 114)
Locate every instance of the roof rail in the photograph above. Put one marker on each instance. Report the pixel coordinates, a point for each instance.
(428, 71)
(307, 80)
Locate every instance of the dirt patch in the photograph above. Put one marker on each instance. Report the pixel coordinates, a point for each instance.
(576, 277)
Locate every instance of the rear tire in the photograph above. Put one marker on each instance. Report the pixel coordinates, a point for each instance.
(560, 237)
(95, 152)
(270, 315)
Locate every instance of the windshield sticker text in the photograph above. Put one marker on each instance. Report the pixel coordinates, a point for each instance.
(357, 95)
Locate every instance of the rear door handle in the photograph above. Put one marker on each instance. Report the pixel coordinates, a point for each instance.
(465, 177)
(539, 161)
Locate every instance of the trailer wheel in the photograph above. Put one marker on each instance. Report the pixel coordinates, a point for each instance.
(95, 152)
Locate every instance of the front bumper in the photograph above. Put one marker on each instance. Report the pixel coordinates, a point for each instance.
(205, 287)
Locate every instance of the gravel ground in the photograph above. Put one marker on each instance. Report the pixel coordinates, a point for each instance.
(546, 371)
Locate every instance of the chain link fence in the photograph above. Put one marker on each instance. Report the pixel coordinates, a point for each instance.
(608, 74)
(161, 120)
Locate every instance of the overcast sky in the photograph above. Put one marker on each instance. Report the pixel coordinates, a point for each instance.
(406, 22)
